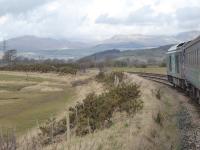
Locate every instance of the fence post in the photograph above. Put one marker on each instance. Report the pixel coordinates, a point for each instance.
(68, 125)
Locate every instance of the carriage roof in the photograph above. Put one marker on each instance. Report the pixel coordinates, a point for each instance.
(175, 48)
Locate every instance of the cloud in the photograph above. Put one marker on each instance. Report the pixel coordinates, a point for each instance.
(143, 16)
(19, 6)
(188, 17)
(97, 18)
(54, 19)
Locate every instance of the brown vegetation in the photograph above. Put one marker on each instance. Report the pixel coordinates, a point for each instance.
(95, 112)
(44, 68)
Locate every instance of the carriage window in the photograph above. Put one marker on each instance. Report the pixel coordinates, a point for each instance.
(197, 54)
(198, 57)
(177, 63)
(186, 59)
(170, 63)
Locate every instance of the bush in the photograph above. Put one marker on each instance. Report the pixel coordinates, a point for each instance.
(96, 111)
(68, 70)
(158, 93)
(126, 98)
(163, 64)
(44, 68)
(109, 78)
(101, 76)
(8, 140)
(141, 66)
(159, 118)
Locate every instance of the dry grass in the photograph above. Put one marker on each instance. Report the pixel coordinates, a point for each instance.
(140, 132)
(159, 70)
(24, 102)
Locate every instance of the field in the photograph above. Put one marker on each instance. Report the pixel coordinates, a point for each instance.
(153, 127)
(28, 99)
(159, 70)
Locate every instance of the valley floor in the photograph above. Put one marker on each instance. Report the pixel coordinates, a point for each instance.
(166, 122)
(30, 99)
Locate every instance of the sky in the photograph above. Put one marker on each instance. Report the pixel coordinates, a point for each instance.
(97, 19)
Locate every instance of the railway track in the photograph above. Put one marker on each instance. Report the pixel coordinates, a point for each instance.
(189, 130)
(160, 78)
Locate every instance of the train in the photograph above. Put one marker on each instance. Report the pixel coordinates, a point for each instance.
(183, 67)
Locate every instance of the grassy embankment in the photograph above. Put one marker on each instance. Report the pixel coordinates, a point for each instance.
(159, 70)
(25, 101)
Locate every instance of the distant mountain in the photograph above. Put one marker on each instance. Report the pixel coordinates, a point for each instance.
(34, 47)
(119, 45)
(136, 41)
(142, 55)
(33, 43)
(187, 36)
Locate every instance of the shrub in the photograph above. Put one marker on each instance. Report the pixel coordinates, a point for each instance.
(157, 93)
(126, 97)
(68, 70)
(44, 68)
(50, 129)
(96, 111)
(159, 118)
(163, 64)
(141, 66)
(8, 140)
(109, 78)
(101, 76)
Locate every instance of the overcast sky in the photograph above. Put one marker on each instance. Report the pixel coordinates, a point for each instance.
(97, 19)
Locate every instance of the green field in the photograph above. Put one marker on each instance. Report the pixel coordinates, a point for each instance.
(24, 101)
(159, 70)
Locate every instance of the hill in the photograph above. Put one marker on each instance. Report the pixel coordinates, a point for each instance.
(142, 55)
(135, 41)
(33, 43)
(35, 47)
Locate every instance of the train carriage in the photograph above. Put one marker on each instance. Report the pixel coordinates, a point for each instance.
(183, 67)
(174, 66)
(192, 66)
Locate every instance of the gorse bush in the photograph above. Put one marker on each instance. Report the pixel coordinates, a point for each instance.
(96, 111)
(126, 98)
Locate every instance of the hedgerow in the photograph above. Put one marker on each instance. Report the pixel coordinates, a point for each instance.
(44, 68)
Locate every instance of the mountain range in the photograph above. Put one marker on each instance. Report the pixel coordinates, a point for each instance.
(32, 44)
(141, 56)
(136, 41)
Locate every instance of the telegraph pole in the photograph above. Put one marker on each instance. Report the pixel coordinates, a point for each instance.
(4, 46)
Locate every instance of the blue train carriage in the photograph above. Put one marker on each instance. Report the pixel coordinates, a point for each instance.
(174, 65)
(192, 67)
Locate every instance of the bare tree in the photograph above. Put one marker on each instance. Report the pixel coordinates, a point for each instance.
(10, 56)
